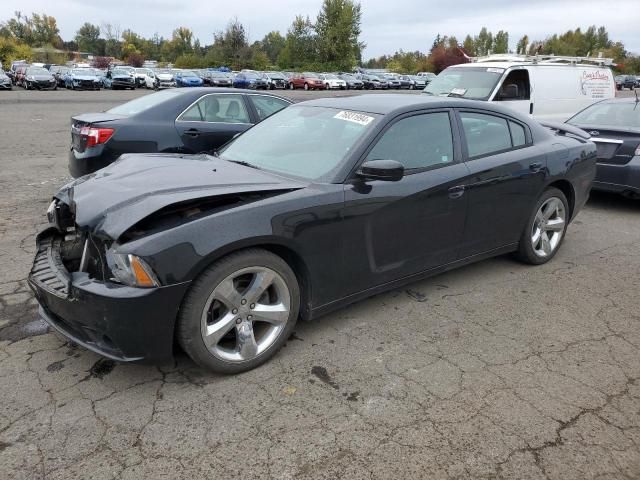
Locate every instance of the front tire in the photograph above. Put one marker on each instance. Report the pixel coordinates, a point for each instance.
(239, 312)
(545, 229)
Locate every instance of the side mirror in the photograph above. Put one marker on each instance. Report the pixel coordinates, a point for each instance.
(386, 170)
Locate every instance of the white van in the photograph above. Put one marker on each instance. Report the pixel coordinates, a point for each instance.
(549, 88)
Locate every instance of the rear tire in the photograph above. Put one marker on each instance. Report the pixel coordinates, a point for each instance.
(220, 304)
(545, 229)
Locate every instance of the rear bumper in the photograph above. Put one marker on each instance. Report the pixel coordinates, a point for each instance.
(619, 178)
(118, 322)
(90, 160)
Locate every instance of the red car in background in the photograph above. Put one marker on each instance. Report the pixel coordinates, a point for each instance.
(306, 80)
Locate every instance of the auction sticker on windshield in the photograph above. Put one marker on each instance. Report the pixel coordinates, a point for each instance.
(458, 91)
(359, 118)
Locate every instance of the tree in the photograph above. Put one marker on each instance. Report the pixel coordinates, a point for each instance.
(102, 62)
(484, 42)
(338, 31)
(36, 31)
(469, 46)
(11, 49)
(135, 59)
(272, 44)
(88, 38)
(523, 43)
(300, 45)
(501, 42)
(113, 47)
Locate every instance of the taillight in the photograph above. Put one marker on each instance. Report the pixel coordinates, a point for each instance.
(96, 136)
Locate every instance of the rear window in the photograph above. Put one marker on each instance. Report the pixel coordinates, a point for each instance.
(144, 103)
(618, 114)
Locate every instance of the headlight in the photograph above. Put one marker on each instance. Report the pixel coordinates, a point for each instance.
(29, 77)
(131, 270)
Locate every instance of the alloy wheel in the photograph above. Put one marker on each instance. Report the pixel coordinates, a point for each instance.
(548, 227)
(245, 314)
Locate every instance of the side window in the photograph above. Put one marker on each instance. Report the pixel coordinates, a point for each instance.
(266, 106)
(217, 108)
(515, 87)
(485, 134)
(518, 136)
(419, 141)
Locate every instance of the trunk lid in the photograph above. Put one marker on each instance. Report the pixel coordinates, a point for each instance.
(615, 145)
(79, 141)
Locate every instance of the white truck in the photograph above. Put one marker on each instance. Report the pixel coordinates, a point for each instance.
(551, 88)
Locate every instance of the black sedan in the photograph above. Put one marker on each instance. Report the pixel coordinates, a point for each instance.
(190, 120)
(322, 204)
(614, 126)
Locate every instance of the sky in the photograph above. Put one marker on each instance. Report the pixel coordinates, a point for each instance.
(387, 25)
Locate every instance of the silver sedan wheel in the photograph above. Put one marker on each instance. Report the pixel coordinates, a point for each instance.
(548, 227)
(245, 314)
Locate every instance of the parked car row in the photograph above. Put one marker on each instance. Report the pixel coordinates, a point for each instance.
(127, 77)
(627, 81)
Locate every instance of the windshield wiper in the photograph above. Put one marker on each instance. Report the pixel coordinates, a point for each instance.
(243, 163)
(428, 93)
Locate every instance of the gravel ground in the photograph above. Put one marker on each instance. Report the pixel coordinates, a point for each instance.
(496, 370)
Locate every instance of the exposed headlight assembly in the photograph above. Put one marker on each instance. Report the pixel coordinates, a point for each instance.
(131, 270)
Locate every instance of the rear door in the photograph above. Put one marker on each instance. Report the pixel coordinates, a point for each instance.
(506, 175)
(213, 120)
(416, 223)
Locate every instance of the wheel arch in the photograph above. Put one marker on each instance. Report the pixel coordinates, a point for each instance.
(282, 249)
(566, 187)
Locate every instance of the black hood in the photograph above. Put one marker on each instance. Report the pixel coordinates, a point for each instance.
(115, 198)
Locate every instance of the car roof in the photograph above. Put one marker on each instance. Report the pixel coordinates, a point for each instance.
(384, 104)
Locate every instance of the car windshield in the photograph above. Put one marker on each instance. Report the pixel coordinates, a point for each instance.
(251, 75)
(612, 114)
(276, 75)
(474, 82)
(163, 72)
(310, 75)
(330, 76)
(189, 73)
(37, 71)
(144, 103)
(301, 141)
(120, 72)
(82, 71)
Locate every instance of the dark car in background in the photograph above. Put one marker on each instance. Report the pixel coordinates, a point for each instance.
(352, 82)
(628, 81)
(251, 80)
(393, 82)
(82, 79)
(419, 83)
(188, 78)
(371, 82)
(216, 79)
(119, 79)
(177, 121)
(5, 81)
(614, 126)
(321, 205)
(38, 78)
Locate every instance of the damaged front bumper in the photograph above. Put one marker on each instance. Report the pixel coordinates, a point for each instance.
(119, 322)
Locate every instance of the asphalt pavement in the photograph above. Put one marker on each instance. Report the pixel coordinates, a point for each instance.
(495, 370)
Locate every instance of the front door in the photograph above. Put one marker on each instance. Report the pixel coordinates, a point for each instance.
(212, 121)
(515, 91)
(414, 224)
